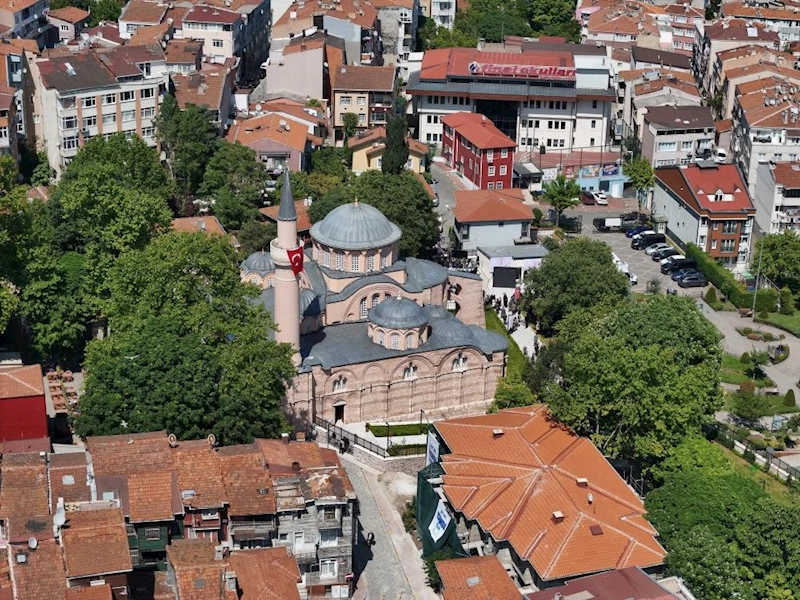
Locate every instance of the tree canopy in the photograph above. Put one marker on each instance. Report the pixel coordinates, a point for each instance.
(561, 193)
(778, 256)
(512, 392)
(395, 156)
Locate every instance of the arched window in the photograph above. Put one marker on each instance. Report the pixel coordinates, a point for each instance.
(340, 384)
(339, 261)
(395, 341)
(410, 341)
(376, 298)
(371, 262)
(460, 363)
(354, 262)
(363, 308)
(385, 259)
(381, 337)
(410, 372)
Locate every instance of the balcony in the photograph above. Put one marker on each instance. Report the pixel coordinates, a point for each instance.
(304, 554)
(252, 530)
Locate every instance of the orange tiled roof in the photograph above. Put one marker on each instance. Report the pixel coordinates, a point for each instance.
(363, 78)
(529, 485)
(207, 224)
(68, 479)
(475, 206)
(95, 543)
(5, 576)
(787, 175)
(130, 453)
(378, 135)
(198, 576)
(303, 220)
(91, 592)
(202, 88)
(697, 188)
(293, 109)
(183, 52)
(70, 14)
(361, 13)
(266, 573)
(20, 382)
(41, 576)
(602, 22)
(23, 494)
(15, 6)
(142, 11)
(476, 578)
(752, 49)
(479, 130)
(150, 34)
(198, 470)
(150, 496)
(247, 484)
(251, 131)
(650, 87)
(762, 69)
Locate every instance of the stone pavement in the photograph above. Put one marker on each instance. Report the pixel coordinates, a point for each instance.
(525, 337)
(392, 568)
(360, 429)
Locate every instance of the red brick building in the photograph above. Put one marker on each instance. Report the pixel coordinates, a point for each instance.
(478, 150)
(23, 415)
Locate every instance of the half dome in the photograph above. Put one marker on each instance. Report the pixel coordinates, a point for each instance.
(355, 226)
(398, 313)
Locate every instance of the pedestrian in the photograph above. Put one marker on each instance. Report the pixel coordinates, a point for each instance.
(370, 539)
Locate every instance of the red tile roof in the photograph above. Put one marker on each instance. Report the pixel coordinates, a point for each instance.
(476, 578)
(92, 592)
(24, 502)
(529, 485)
(207, 224)
(95, 543)
(20, 382)
(41, 576)
(202, 88)
(251, 131)
(69, 14)
(787, 175)
(150, 496)
(477, 206)
(69, 479)
(378, 136)
(199, 470)
(360, 13)
(478, 130)
(266, 574)
(198, 575)
(698, 187)
(363, 78)
(142, 11)
(247, 483)
(206, 14)
(624, 584)
(303, 220)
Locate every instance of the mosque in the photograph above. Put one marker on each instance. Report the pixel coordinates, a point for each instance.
(376, 337)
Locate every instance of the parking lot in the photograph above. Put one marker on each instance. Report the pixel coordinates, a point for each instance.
(640, 264)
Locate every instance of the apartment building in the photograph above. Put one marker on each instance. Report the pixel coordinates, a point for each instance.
(368, 92)
(782, 17)
(211, 88)
(540, 93)
(27, 19)
(97, 92)
(279, 142)
(777, 197)
(481, 153)
(69, 21)
(677, 135)
(707, 204)
(761, 74)
(741, 57)
(367, 150)
(726, 35)
(399, 23)
(442, 12)
(221, 31)
(491, 219)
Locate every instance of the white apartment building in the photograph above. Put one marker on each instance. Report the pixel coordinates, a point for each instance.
(220, 31)
(443, 12)
(777, 197)
(99, 92)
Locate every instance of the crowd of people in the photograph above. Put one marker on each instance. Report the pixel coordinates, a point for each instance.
(508, 309)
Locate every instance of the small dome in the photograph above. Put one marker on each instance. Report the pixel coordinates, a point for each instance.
(355, 226)
(398, 313)
(259, 262)
(437, 311)
(451, 332)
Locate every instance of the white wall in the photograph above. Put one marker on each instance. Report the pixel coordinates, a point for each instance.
(491, 234)
(681, 223)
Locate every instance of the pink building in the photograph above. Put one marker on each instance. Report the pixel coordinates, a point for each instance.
(478, 150)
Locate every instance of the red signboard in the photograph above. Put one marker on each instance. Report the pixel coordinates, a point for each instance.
(521, 71)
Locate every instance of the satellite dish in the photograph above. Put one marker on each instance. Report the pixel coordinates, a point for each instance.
(258, 107)
(172, 439)
(32, 543)
(211, 439)
(60, 517)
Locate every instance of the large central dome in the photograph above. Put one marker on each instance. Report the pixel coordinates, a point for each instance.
(355, 226)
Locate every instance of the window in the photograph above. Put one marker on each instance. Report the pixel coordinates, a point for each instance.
(148, 93)
(381, 337)
(89, 121)
(152, 533)
(110, 99)
(126, 96)
(362, 306)
(209, 514)
(490, 185)
(665, 163)
(217, 43)
(70, 143)
(65, 28)
(410, 341)
(354, 260)
(362, 100)
(395, 341)
(340, 384)
(464, 232)
(491, 171)
(490, 155)
(460, 363)
(69, 122)
(148, 113)
(362, 118)
(410, 373)
(667, 146)
(135, 556)
(499, 185)
(730, 227)
(386, 264)
(109, 119)
(328, 537)
(504, 153)
(728, 245)
(375, 300)
(88, 102)
(148, 132)
(370, 263)
(339, 261)
(346, 101)
(503, 169)
(594, 123)
(328, 513)
(594, 103)
(591, 141)
(713, 244)
(327, 568)
(128, 116)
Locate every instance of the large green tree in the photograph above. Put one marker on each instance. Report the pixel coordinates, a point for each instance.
(511, 392)
(579, 274)
(561, 193)
(395, 156)
(778, 257)
(640, 174)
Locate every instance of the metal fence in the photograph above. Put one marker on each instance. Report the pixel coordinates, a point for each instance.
(336, 433)
(761, 457)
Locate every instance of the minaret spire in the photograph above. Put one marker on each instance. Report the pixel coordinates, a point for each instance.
(286, 212)
(287, 286)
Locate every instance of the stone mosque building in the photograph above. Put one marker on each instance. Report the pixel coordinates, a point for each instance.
(373, 335)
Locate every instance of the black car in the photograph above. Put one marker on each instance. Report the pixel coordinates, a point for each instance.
(676, 264)
(693, 280)
(666, 253)
(681, 273)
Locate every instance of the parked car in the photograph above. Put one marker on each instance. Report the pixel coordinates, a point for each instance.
(657, 247)
(587, 198)
(600, 198)
(666, 253)
(637, 236)
(636, 230)
(693, 280)
(648, 240)
(678, 264)
(681, 273)
(669, 259)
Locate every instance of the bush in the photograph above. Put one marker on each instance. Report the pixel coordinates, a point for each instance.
(747, 387)
(410, 516)
(788, 399)
(747, 330)
(711, 296)
(720, 277)
(754, 336)
(538, 215)
(434, 580)
(742, 432)
(767, 336)
(763, 315)
(745, 357)
(787, 302)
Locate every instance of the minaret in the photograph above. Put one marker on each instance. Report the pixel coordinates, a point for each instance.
(287, 287)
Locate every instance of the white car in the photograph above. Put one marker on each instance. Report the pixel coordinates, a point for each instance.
(600, 198)
(669, 259)
(643, 233)
(634, 279)
(650, 250)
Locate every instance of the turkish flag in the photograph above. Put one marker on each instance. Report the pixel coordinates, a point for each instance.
(296, 259)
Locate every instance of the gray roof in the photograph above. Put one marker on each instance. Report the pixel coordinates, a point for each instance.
(420, 275)
(349, 344)
(286, 211)
(660, 57)
(355, 226)
(437, 311)
(310, 304)
(680, 117)
(516, 252)
(258, 262)
(398, 313)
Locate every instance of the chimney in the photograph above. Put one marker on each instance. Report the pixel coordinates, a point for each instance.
(496, 433)
(285, 438)
(296, 467)
(300, 436)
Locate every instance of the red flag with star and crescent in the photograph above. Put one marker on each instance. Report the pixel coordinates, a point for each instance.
(296, 259)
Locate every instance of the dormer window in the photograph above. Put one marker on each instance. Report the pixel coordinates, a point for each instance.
(340, 384)
(718, 196)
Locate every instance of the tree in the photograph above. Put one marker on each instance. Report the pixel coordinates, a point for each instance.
(255, 236)
(787, 301)
(547, 369)
(43, 173)
(777, 256)
(579, 274)
(328, 160)
(434, 580)
(104, 10)
(694, 454)
(236, 169)
(755, 360)
(561, 193)
(434, 36)
(349, 125)
(395, 156)
(554, 18)
(511, 392)
(231, 211)
(336, 197)
(749, 406)
(640, 174)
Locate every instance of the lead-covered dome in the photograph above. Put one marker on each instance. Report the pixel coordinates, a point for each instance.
(398, 313)
(258, 262)
(355, 226)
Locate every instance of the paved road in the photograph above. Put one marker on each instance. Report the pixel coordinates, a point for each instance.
(446, 183)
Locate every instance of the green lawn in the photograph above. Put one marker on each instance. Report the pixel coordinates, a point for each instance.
(790, 323)
(772, 486)
(733, 372)
(516, 359)
(401, 429)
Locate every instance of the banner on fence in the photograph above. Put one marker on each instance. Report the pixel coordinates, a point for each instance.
(433, 449)
(441, 519)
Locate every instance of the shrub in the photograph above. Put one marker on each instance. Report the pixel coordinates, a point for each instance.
(749, 455)
(434, 580)
(742, 432)
(410, 516)
(538, 215)
(787, 302)
(711, 296)
(747, 330)
(747, 387)
(768, 337)
(788, 399)
(763, 315)
(754, 336)
(745, 357)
